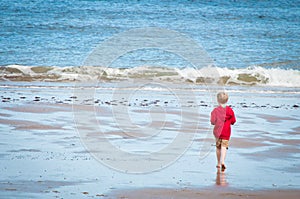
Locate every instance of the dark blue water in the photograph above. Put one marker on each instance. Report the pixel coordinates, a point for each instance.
(235, 34)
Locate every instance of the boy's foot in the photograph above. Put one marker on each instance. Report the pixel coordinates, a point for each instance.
(218, 166)
(223, 167)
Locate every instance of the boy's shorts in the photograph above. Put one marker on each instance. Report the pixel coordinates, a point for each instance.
(222, 143)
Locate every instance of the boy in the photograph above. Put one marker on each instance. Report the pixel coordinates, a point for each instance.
(222, 117)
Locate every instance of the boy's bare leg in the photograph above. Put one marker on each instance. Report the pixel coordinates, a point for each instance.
(218, 152)
(223, 155)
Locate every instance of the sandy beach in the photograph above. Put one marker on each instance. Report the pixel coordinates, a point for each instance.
(213, 193)
(53, 138)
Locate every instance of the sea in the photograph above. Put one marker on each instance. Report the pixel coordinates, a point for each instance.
(248, 42)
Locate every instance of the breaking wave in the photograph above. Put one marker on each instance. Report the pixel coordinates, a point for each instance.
(250, 76)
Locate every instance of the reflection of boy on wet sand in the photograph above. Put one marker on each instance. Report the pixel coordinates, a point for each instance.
(221, 179)
(222, 117)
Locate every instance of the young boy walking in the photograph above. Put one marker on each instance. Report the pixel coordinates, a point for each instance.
(222, 117)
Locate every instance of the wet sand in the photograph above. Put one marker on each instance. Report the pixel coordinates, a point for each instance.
(42, 151)
(206, 193)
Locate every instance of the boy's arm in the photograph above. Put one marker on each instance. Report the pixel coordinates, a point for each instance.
(233, 120)
(213, 118)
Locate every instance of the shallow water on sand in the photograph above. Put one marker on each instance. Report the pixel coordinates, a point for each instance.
(41, 148)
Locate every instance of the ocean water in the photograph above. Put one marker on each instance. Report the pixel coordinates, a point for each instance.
(242, 35)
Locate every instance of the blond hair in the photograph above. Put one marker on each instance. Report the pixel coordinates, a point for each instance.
(222, 97)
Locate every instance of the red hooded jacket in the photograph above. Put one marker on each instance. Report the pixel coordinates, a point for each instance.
(222, 118)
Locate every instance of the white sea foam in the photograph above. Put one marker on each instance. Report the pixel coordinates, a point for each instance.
(250, 76)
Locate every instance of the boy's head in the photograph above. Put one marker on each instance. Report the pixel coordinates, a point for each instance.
(222, 97)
